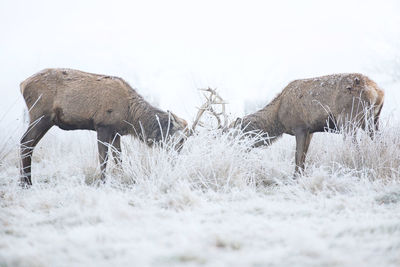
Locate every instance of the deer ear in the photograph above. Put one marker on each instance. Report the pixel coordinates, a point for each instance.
(176, 120)
(237, 122)
(357, 81)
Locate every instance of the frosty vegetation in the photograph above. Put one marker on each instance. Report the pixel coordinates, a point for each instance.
(217, 202)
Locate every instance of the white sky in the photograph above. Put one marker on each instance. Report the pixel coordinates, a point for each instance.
(249, 50)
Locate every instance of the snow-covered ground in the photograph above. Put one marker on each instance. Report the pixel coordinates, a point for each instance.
(217, 203)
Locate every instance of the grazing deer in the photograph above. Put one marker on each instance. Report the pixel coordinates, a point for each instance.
(73, 99)
(313, 105)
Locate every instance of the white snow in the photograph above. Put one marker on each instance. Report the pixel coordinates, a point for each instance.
(217, 203)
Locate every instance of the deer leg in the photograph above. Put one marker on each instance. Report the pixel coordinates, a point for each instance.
(368, 123)
(116, 149)
(306, 146)
(103, 140)
(376, 124)
(302, 137)
(29, 140)
(376, 119)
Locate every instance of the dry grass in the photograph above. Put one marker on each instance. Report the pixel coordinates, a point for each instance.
(218, 202)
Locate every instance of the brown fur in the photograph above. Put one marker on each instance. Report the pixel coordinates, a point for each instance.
(311, 105)
(73, 99)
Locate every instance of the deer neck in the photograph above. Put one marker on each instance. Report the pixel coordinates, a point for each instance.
(265, 120)
(146, 121)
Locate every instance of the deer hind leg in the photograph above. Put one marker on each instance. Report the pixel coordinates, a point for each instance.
(376, 123)
(376, 118)
(29, 140)
(103, 140)
(116, 149)
(303, 139)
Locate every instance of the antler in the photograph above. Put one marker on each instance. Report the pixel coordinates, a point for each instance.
(213, 99)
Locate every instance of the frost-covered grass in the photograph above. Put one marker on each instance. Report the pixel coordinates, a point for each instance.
(217, 203)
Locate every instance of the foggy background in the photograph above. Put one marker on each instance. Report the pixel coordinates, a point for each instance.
(248, 50)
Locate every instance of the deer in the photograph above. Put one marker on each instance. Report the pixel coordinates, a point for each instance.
(77, 100)
(307, 106)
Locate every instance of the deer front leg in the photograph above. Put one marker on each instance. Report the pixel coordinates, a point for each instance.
(103, 140)
(307, 145)
(116, 149)
(303, 139)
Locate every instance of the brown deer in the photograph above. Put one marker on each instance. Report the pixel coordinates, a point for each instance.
(313, 105)
(73, 99)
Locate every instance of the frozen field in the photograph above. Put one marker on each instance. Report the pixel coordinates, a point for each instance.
(218, 202)
(214, 204)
